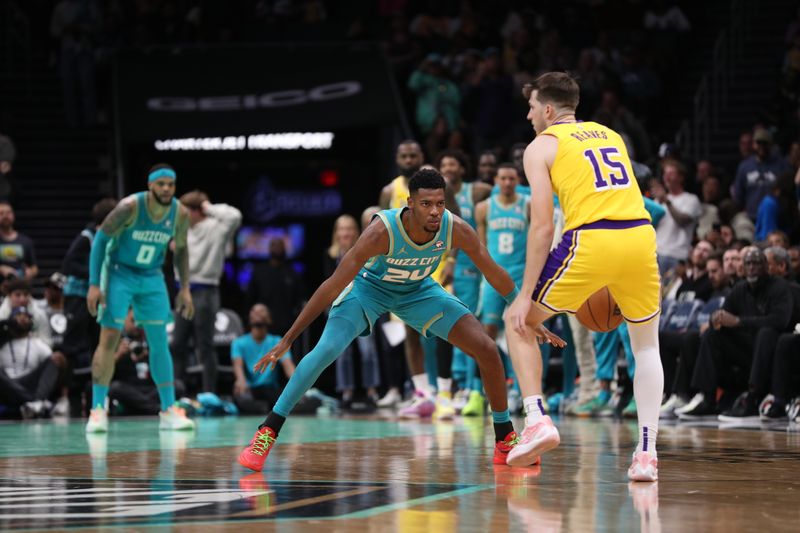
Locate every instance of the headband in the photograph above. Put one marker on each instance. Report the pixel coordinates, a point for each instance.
(161, 173)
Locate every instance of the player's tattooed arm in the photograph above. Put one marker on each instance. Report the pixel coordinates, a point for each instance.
(465, 238)
(374, 241)
(183, 304)
(120, 217)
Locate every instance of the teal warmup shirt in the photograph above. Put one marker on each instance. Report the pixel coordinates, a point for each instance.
(249, 351)
(144, 244)
(406, 263)
(466, 204)
(507, 232)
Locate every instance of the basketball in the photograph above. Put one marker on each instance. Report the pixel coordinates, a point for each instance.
(600, 312)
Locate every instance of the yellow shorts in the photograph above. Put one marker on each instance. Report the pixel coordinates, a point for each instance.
(620, 255)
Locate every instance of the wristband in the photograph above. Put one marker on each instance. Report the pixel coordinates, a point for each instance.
(509, 298)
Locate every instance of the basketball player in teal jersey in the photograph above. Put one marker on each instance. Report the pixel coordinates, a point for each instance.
(466, 277)
(389, 269)
(129, 250)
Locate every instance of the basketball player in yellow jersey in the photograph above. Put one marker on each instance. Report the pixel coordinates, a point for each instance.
(608, 241)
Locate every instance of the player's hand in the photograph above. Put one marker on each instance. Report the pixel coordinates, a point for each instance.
(240, 387)
(273, 356)
(184, 304)
(658, 191)
(545, 336)
(517, 315)
(94, 297)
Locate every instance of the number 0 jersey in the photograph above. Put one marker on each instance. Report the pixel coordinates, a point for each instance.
(407, 263)
(592, 175)
(144, 244)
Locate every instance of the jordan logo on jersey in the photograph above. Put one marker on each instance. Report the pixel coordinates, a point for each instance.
(402, 251)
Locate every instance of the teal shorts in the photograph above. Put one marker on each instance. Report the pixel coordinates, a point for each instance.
(145, 291)
(429, 308)
(492, 304)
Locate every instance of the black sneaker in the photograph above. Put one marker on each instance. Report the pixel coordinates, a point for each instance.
(775, 410)
(744, 408)
(704, 409)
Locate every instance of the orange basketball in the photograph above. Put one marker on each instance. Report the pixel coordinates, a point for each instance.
(600, 312)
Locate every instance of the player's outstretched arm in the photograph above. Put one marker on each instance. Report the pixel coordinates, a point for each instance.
(465, 239)
(539, 156)
(374, 241)
(183, 303)
(117, 220)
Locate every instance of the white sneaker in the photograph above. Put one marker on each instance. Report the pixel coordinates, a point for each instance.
(391, 398)
(644, 467)
(175, 418)
(30, 410)
(535, 440)
(460, 399)
(667, 410)
(694, 402)
(62, 407)
(98, 421)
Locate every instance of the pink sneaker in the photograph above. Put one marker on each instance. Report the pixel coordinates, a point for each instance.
(421, 407)
(533, 442)
(644, 467)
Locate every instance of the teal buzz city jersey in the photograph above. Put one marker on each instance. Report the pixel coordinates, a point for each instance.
(507, 232)
(466, 204)
(144, 244)
(406, 264)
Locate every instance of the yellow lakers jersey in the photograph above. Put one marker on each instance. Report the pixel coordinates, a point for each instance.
(592, 175)
(399, 193)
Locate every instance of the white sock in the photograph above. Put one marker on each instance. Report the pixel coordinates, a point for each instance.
(444, 385)
(648, 382)
(647, 439)
(534, 409)
(421, 384)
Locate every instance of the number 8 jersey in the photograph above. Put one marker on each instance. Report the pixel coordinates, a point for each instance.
(507, 232)
(407, 263)
(592, 175)
(143, 244)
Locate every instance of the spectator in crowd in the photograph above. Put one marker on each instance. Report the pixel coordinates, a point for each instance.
(757, 174)
(18, 294)
(487, 167)
(697, 285)
(703, 170)
(256, 393)
(17, 253)
(745, 146)
(277, 285)
(732, 263)
(75, 24)
(8, 153)
(515, 153)
(132, 391)
(80, 337)
(729, 214)
(489, 96)
(710, 193)
(778, 263)
(616, 116)
(794, 261)
(29, 371)
(742, 332)
(53, 306)
(778, 238)
(663, 16)
(211, 228)
(345, 234)
(675, 231)
(778, 209)
(727, 235)
(437, 96)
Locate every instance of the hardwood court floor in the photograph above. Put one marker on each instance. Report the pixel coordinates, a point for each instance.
(378, 475)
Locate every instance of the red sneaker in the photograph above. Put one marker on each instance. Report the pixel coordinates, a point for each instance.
(501, 448)
(255, 454)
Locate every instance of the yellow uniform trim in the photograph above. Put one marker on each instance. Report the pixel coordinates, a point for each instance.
(429, 323)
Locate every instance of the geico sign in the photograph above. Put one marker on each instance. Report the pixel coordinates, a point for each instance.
(332, 91)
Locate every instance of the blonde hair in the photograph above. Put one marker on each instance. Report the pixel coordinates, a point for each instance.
(335, 250)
